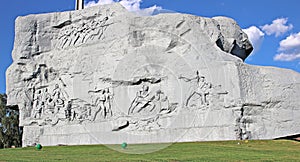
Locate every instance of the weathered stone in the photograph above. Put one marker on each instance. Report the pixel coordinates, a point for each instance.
(105, 75)
(234, 40)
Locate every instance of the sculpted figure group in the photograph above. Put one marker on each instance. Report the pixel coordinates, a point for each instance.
(72, 35)
(45, 103)
(56, 105)
(148, 102)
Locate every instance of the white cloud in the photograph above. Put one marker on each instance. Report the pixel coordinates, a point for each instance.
(287, 57)
(278, 27)
(130, 5)
(292, 42)
(100, 2)
(256, 37)
(289, 48)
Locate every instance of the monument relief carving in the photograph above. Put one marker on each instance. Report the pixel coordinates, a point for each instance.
(73, 34)
(103, 75)
(147, 102)
(102, 103)
(201, 93)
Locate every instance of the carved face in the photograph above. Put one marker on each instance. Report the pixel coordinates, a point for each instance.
(145, 88)
(201, 79)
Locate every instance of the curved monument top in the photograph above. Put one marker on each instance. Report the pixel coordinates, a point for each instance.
(36, 34)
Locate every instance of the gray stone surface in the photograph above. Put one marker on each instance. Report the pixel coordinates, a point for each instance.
(105, 75)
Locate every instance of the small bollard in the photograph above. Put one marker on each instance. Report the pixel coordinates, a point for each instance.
(124, 145)
(38, 146)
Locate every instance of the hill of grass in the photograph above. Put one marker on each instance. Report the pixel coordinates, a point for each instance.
(277, 150)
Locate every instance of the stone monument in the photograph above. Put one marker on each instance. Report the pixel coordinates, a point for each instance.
(103, 75)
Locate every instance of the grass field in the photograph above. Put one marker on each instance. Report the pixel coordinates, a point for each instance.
(278, 150)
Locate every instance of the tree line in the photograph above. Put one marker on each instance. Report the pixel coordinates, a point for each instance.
(10, 132)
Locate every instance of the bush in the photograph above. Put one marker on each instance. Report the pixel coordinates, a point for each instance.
(10, 133)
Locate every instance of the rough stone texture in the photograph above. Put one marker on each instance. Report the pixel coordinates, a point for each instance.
(105, 75)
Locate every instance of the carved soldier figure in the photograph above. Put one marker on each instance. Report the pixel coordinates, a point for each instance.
(201, 89)
(142, 100)
(49, 106)
(92, 31)
(107, 103)
(162, 100)
(58, 98)
(68, 110)
(205, 91)
(57, 93)
(37, 105)
(65, 36)
(45, 95)
(100, 101)
(27, 102)
(102, 26)
(46, 100)
(43, 74)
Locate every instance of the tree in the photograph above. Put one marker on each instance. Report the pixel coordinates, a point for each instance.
(10, 133)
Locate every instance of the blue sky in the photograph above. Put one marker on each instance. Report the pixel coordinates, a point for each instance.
(273, 26)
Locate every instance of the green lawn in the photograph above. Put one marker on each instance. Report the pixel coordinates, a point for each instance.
(278, 150)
